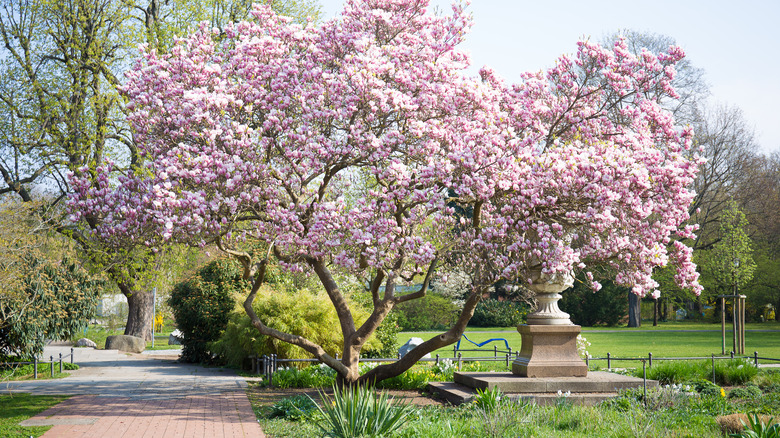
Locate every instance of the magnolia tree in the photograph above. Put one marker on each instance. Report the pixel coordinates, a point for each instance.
(350, 145)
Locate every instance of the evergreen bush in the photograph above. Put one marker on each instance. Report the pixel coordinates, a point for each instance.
(606, 307)
(54, 300)
(202, 307)
(494, 313)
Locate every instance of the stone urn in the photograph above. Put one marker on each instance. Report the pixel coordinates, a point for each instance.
(549, 340)
(548, 290)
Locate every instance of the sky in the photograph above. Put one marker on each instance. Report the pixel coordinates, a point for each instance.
(736, 43)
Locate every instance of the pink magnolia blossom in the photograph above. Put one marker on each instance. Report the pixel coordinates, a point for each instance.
(356, 141)
(341, 141)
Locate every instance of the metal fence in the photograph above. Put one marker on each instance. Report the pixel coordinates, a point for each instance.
(649, 359)
(35, 363)
(268, 364)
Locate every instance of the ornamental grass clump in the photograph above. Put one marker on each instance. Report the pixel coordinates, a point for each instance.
(734, 372)
(360, 412)
(315, 376)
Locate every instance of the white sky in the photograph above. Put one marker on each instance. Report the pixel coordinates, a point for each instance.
(736, 43)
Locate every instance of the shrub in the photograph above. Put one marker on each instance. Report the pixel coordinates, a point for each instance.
(768, 380)
(202, 307)
(606, 307)
(51, 301)
(387, 337)
(299, 313)
(705, 387)
(494, 313)
(432, 312)
(749, 392)
(299, 407)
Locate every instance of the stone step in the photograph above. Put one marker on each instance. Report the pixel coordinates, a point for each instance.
(457, 394)
(596, 387)
(594, 382)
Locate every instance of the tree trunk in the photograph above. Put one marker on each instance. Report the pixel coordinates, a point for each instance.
(664, 310)
(777, 310)
(634, 310)
(655, 312)
(140, 314)
(699, 307)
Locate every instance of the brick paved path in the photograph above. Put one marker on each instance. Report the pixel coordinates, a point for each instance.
(131, 396)
(228, 415)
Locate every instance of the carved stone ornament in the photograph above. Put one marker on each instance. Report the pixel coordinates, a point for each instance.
(548, 289)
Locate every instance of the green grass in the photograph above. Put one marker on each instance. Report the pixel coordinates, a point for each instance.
(665, 341)
(27, 372)
(15, 408)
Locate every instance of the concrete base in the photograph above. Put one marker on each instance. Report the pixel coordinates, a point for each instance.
(595, 388)
(549, 351)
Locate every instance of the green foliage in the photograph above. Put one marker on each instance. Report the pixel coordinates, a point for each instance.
(730, 260)
(727, 372)
(299, 313)
(746, 392)
(27, 372)
(360, 412)
(299, 407)
(489, 400)
(202, 307)
(387, 337)
(432, 312)
(674, 371)
(494, 313)
(758, 429)
(15, 408)
(587, 308)
(734, 372)
(315, 376)
(419, 376)
(55, 301)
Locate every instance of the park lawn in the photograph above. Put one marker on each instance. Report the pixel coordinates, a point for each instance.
(626, 343)
(15, 408)
(648, 325)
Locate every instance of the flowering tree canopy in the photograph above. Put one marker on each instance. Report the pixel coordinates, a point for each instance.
(350, 145)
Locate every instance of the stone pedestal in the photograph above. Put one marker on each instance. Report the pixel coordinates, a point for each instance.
(549, 351)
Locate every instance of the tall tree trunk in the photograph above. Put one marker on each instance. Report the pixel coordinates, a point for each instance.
(634, 310)
(777, 310)
(140, 312)
(655, 312)
(664, 310)
(699, 307)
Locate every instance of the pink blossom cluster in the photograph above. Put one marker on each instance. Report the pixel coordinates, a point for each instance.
(345, 142)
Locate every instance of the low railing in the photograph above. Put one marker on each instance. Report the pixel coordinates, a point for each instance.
(649, 358)
(35, 362)
(268, 364)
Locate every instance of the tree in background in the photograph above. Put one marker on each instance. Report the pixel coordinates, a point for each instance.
(729, 263)
(63, 113)
(337, 146)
